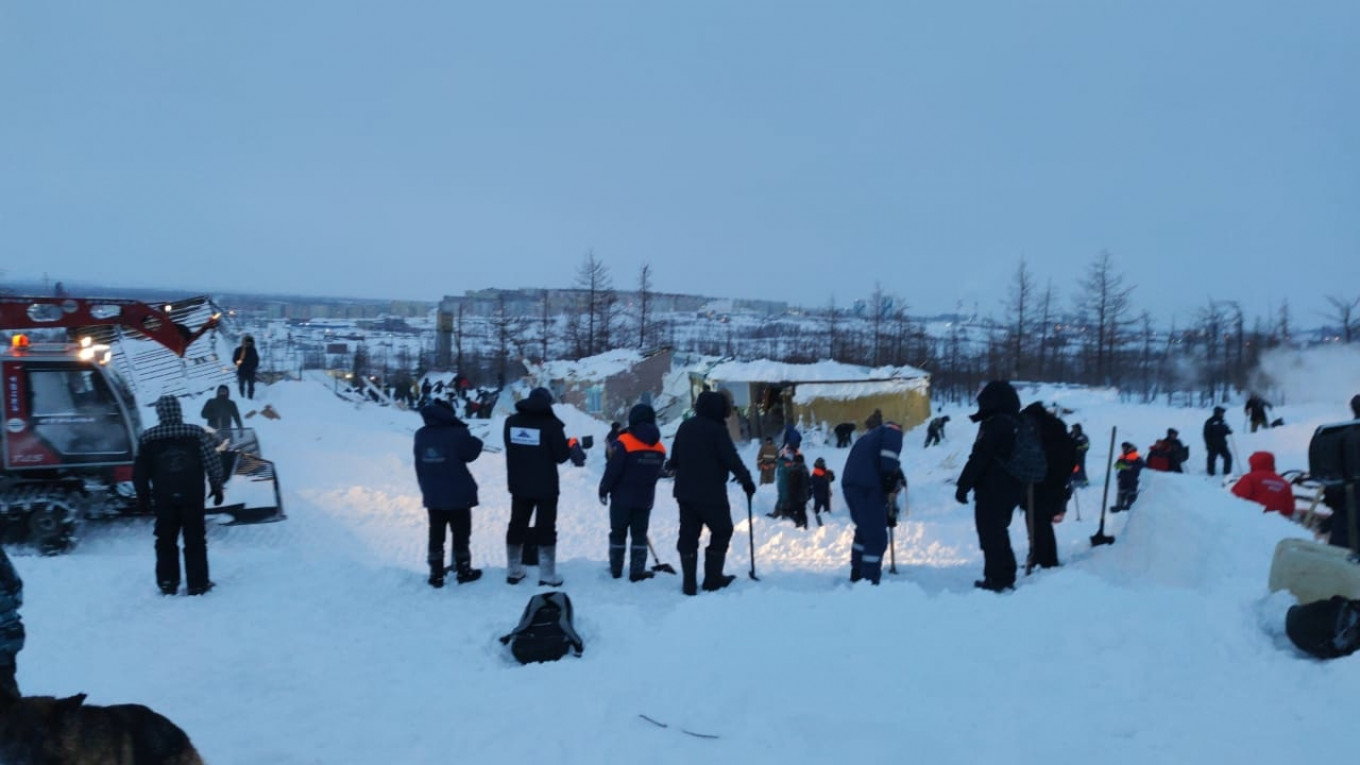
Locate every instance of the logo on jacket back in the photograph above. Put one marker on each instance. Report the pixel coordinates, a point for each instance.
(524, 436)
(432, 455)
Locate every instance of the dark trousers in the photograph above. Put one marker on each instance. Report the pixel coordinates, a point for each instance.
(1125, 499)
(1079, 475)
(931, 439)
(1215, 451)
(544, 513)
(172, 519)
(9, 686)
(994, 537)
(693, 519)
(869, 511)
(245, 384)
(459, 522)
(622, 522)
(818, 505)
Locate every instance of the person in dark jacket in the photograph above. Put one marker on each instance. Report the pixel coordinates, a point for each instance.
(702, 457)
(1216, 433)
(11, 626)
(873, 471)
(615, 429)
(1338, 526)
(1126, 470)
(628, 487)
(844, 433)
(799, 491)
(1177, 451)
(220, 411)
(247, 361)
(997, 492)
(173, 460)
(793, 440)
(820, 480)
(935, 431)
(874, 420)
(442, 449)
(1082, 443)
(1051, 494)
(535, 444)
(1256, 409)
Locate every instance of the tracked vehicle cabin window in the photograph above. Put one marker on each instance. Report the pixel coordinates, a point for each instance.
(75, 411)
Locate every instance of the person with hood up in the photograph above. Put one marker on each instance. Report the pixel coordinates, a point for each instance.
(247, 361)
(996, 491)
(220, 411)
(11, 626)
(1216, 432)
(873, 472)
(1264, 486)
(443, 447)
(173, 460)
(1052, 493)
(628, 488)
(535, 444)
(820, 480)
(702, 457)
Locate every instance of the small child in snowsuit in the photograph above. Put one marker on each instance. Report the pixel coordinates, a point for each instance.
(798, 491)
(820, 480)
(1127, 468)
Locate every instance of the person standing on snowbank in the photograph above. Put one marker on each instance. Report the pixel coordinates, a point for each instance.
(628, 487)
(443, 448)
(702, 457)
(535, 444)
(873, 470)
(247, 361)
(997, 492)
(173, 459)
(1216, 432)
(1082, 443)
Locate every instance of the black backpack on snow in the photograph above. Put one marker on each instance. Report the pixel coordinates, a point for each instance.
(1027, 461)
(1327, 629)
(545, 631)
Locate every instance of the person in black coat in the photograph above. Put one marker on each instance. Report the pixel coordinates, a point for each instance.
(997, 492)
(1256, 409)
(247, 361)
(11, 626)
(442, 449)
(1082, 443)
(1177, 451)
(220, 411)
(535, 444)
(174, 459)
(1339, 527)
(820, 481)
(798, 492)
(702, 457)
(1216, 433)
(1051, 494)
(628, 487)
(844, 432)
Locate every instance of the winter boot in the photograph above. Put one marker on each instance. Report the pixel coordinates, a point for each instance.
(714, 578)
(547, 567)
(514, 568)
(437, 574)
(637, 565)
(466, 573)
(819, 520)
(616, 561)
(689, 567)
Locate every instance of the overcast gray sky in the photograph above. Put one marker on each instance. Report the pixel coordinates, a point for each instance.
(789, 150)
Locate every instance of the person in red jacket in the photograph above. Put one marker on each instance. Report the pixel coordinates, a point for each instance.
(1264, 486)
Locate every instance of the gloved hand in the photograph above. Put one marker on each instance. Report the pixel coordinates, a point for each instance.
(216, 496)
(604, 499)
(961, 494)
(748, 488)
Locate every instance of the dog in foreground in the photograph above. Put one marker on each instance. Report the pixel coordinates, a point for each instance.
(44, 730)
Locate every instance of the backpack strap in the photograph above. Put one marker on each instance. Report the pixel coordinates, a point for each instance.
(534, 604)
(566, 620)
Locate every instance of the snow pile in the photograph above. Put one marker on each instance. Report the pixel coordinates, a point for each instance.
(323, 643)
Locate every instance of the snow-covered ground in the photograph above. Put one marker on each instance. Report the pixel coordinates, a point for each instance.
(323, 644)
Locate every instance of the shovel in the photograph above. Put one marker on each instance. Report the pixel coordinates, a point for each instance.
(663, 567)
